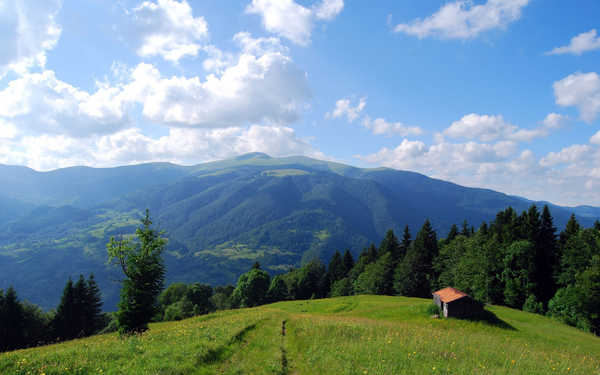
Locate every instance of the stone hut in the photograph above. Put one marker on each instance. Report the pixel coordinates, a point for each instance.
(456, 304)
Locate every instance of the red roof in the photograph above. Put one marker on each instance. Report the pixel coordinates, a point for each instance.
(450, 294)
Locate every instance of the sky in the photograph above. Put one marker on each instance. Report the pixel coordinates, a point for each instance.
(499, 94)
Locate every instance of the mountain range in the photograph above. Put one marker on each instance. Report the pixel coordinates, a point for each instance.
(220, 217)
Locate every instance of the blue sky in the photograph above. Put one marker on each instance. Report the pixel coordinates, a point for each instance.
(502, 94)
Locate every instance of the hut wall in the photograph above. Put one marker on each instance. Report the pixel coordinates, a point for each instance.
(461, 308)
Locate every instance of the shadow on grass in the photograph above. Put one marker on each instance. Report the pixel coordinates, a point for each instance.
(222, 352)
(489, 318)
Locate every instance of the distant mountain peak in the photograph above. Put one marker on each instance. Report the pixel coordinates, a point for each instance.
(253, 155)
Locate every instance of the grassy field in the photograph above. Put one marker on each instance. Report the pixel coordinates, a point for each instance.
(349, 335)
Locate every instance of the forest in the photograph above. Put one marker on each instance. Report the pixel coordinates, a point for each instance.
(517, 260)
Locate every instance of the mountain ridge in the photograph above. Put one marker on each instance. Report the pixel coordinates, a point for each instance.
(221, 216)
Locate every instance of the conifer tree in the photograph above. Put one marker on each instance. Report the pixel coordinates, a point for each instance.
(12, 318)
(406, 240)
(64, 329)
(390, 244)
(597, 225)
(546, 258)
(571, 229)
(336, 269)
(93, 306)
(465, 231)
(415, 275)
(452, 234)
(348, 262)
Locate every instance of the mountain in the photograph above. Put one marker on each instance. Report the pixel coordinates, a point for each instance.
(220, 217)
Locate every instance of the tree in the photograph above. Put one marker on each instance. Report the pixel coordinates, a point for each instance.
(12, 318)
(336, 269)
(142, 265)
(348, 262)
(597, 225)
(452, 234)
(278, 290)
(390, 244)
(93, 307)
(63, 323)
(251, 289)
(517, 274)
(415, 275)
(200, 297)
(546, 259)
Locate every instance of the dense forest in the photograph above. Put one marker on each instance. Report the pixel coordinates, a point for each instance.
(517, 260)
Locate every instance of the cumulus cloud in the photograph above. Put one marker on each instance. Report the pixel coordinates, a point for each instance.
(595, 139)
(28, 30)
(581, 90)
(581, 43)
(488, 128)
(129, 146)
(380, 126)
(344, 108)
(167, 28)
(292, 20)
(464, 20)
(39, 103)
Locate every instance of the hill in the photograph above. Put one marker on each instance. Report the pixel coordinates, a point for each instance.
(349, 335)
(219, 217)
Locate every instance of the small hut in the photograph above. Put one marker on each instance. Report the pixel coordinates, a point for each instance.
(456, 304)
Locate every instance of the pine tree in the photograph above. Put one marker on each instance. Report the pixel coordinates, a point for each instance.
(336, 269)
(546, 258)
(93, 306)
(571, 229)
(465, 231)
(348, 262)
(406, 241)
(415, 275)
(390, 244)
(452, 234)
(144, 270)
(63, 323)
(80, 318)
(597, 225)
(12, 318)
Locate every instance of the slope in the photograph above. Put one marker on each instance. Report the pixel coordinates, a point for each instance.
(350, 335)
(219, 217)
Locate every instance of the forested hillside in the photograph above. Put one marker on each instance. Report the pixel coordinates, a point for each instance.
(220, 217)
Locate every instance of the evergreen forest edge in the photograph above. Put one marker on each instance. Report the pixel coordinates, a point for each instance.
(516, 260)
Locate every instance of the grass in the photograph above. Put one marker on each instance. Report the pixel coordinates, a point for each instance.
(348, 335)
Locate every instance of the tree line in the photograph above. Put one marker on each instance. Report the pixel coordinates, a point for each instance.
(516, 260)
(78, 314)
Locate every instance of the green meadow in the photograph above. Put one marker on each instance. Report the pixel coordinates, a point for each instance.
(347, 335)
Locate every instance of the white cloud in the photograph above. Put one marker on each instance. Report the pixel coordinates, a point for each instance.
(167, 28)
(464, 20)
(488, 128)
(266, 88)
(581, 90)
(561, 177)
(292, 20)
(595, 139)
(129, 146)
(380, 126)
(581, 43)
(555, 121)
(28, 30)
(343, 108)
(39, 103)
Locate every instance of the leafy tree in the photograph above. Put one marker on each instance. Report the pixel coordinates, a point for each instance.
(312, 281)
(251, 289)
(221, 299)
(517, 274)
(378, 277)
(173, 293)
(532, 305)
(144, 271)
(200, 297)
(278, 290)
(343, 287)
